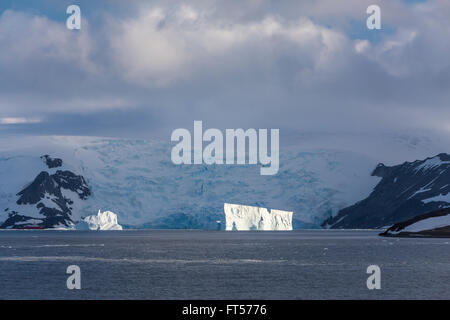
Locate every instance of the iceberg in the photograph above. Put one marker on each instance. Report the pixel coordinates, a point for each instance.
(102, 221)
(241, 217)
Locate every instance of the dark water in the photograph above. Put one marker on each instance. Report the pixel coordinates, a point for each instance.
(221, 265)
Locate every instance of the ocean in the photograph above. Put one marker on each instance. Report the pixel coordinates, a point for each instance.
(190, 264)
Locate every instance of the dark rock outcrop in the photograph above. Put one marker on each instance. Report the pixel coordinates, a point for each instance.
(404, 192)
(51, 162)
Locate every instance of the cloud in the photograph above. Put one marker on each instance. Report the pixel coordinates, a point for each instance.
(30, 41)
(158, 48)
(19, 120)
(290, 64)
(42, 64)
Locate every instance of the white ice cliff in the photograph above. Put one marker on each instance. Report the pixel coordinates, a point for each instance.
(102, 221)
(240, 217)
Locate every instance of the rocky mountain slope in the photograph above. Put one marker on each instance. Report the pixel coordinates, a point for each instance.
(404, 192)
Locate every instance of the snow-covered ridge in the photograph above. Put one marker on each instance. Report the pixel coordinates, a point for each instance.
(436, 223)
(102, 221)
(428, 224)
(431, 163)
(242, 218)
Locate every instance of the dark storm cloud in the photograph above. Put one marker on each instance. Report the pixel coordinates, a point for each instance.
(144, 68)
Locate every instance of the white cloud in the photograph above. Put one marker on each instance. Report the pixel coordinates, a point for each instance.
(158, 49)
(27, 39)
(362, 46)
(12, 120)
(187, 13)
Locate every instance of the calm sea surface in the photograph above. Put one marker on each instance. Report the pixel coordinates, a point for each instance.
(153, 264)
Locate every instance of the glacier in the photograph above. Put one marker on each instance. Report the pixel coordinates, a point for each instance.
(244, 218)
(432, 224)
(102, 221)
(134, 178)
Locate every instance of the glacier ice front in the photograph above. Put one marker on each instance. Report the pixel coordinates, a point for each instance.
(102, 221)
(240, 217)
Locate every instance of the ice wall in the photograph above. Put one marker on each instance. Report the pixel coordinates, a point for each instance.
(240, 217)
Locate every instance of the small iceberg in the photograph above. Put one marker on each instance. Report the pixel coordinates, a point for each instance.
(102, 221)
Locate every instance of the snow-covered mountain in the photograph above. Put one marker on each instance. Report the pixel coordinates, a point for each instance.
(318, 176)
(405, 191)
(49, 201)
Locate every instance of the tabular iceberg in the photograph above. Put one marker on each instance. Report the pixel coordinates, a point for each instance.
(240, 217)
(102, 221)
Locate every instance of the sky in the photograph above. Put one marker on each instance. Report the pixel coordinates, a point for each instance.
(144, 68)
